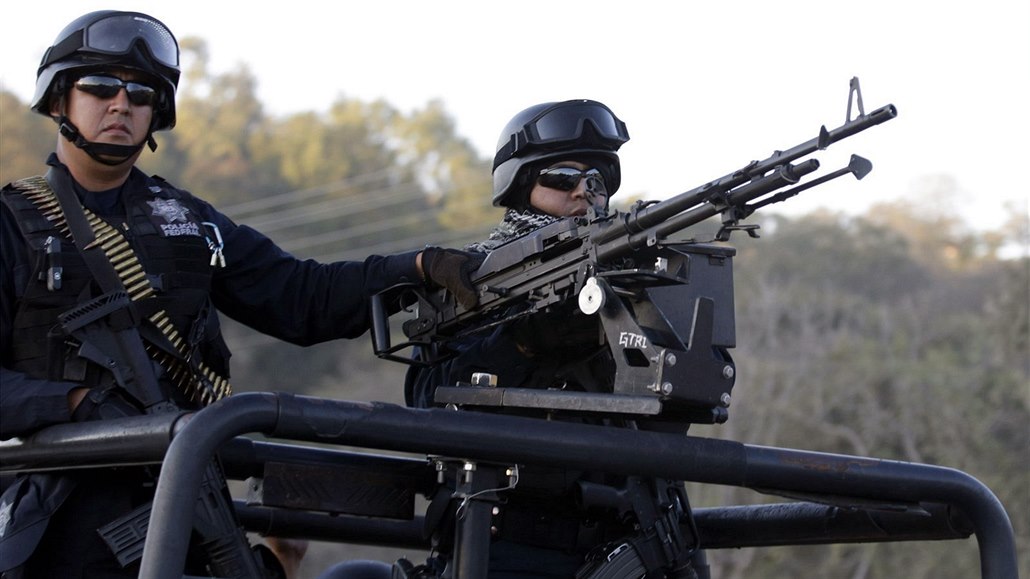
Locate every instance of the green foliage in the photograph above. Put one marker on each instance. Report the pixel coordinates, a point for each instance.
(25, 139)
(855, 338)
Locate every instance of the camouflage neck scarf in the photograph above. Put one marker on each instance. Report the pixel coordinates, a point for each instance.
(515, 224)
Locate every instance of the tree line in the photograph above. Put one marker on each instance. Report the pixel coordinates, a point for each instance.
(899, 334)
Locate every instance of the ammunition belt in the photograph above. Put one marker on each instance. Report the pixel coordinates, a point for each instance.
(195, 379)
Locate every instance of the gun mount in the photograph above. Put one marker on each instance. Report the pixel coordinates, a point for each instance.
(663, 304)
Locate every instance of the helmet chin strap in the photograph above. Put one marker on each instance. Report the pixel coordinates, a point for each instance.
(98, 151)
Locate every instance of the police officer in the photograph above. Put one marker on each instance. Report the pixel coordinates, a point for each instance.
(110, 282)
(553, 160)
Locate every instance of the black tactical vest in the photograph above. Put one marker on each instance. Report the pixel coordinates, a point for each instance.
(163, 227)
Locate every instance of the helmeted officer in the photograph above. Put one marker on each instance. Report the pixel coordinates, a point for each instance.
(553, 160)
(111, 280)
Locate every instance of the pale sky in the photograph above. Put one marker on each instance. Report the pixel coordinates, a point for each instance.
(704, 87)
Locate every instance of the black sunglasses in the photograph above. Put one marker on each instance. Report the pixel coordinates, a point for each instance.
(106, 87)
(567, 178)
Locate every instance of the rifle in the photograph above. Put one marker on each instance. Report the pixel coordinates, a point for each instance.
(665, 305)
(108, 329)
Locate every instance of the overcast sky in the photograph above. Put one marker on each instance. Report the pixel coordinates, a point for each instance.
(704, 87)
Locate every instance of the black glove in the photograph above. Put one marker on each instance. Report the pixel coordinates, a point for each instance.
(450, 269)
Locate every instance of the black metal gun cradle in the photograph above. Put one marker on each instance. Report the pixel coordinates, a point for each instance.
(665, 308)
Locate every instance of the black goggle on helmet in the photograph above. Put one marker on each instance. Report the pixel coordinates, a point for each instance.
(112, 39)
(556, 130)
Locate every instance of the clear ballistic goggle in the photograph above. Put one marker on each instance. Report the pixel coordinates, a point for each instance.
(564, 123)
(116, 35)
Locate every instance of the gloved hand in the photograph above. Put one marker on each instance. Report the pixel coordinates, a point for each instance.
(451, 269)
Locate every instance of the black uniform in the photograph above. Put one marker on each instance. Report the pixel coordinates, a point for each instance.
(171, 232)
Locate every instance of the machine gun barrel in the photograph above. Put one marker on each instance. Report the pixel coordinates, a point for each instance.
(554, 264)
(783, 175)
(664, 218)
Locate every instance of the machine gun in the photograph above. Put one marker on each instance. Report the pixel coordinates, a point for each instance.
(665, 305)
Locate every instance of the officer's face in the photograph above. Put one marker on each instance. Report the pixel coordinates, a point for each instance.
(112, 119)
(561, 202)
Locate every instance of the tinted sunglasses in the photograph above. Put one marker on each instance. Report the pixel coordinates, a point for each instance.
(568, 178)
(106, 87)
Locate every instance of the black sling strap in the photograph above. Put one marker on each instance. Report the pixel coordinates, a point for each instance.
(112, 253)
(220, 533)
(135, 370)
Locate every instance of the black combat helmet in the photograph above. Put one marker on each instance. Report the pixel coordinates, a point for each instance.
(583, 129)
(105, 40)
(112, 39)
